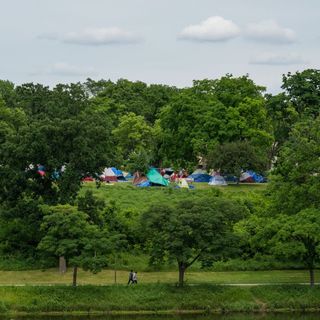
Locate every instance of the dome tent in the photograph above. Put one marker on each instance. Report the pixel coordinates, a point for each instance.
(119, 174)
(182, 183)
(140, 180)
(108, 175)
(152, 178)
(217, 180)
(156, 178)
(200, 175)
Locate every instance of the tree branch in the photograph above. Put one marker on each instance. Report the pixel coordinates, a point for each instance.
(195, 258)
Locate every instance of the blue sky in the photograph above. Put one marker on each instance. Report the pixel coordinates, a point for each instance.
(167, 41)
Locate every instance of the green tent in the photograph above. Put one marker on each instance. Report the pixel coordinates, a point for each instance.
(156, 178)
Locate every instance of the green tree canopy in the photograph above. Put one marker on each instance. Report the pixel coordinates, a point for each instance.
(213, 112)
(298, 237)
(190, 230)
(235, 157)
(296, 179)
(133, 133)
(137, 97)
(68, 233)
(303, 91)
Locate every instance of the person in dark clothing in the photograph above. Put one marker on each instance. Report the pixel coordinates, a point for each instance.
(130, 277)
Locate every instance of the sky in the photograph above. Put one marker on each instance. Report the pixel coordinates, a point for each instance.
(170, 41)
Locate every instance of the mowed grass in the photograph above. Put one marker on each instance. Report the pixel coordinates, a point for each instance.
(128, 196)
(157, 298)
(107, 277)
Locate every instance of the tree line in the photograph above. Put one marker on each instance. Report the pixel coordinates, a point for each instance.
(231, 124)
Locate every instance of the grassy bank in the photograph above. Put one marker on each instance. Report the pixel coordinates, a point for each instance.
(106, 277)
(158, 298)
(128, 196)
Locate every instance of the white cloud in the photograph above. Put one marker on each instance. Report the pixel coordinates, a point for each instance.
(95, 37)
(212, 29)
(270, 31)
(269, 58)
(65, 69)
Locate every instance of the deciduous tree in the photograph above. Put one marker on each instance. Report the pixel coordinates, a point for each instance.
(187, 231)
(68, 233)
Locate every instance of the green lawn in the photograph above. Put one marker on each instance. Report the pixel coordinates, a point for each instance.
(157, 299)
(106, 277)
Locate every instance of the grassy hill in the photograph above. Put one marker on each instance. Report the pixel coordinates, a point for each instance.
(128, 196)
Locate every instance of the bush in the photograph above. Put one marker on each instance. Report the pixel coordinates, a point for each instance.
(18, 263)
(255, 264)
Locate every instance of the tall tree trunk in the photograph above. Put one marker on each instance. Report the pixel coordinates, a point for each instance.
(311, 273)
(115, 269)
(74, 276)
(182, 269)
(62, 265)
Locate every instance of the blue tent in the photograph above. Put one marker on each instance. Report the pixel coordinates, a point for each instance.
(127, 175)
(251, 176)
(230, 178)
(200, 176)
(119, 174)
(144, 184)
(116, 171)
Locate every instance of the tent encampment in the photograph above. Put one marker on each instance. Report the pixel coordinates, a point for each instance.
(152, 178)
(217, 180)
(156, 178)
(200, 175)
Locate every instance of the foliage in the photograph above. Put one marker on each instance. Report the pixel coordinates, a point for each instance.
(20, 228)
(59, 130)
(137, 97)
(132, 134)
(283, 116)
(296, 178)
(211, 112)
(303, 91)
(75, 130)
(298, 236)
(191, 230)
(62, 139)
(139, 161)
(93, 207)
(67, 233)
(236, 157)
(229, 89)
(190, 124)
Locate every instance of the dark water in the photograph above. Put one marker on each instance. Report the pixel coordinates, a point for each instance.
(291, 316)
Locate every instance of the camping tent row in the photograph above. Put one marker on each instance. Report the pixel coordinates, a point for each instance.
(200, 175)
(152, 178)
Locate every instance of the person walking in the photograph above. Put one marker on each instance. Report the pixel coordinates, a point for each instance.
(130, 277)
(134, 277)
